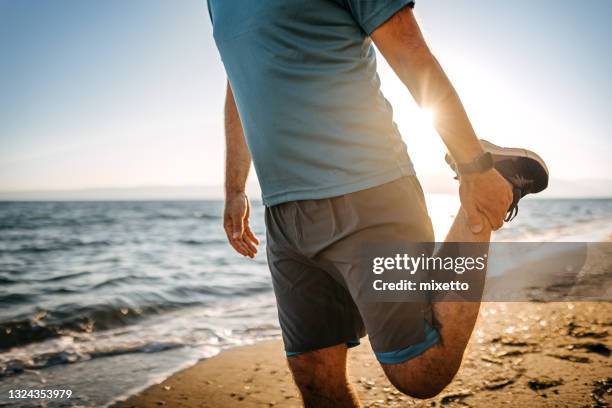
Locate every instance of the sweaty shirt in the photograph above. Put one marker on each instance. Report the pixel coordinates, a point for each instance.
(303, 74)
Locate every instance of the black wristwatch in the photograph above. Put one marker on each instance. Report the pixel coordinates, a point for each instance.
(480, 164)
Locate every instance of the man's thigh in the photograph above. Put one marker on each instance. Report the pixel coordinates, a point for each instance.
(315, 310)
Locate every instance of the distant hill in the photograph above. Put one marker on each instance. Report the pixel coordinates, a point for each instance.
(579, 188)
(557, 188)
(119, 194)
(436, 183)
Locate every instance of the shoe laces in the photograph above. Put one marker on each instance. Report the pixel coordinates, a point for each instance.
(521, 182)
(513, 210)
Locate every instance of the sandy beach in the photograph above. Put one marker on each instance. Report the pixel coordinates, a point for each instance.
(521, 354)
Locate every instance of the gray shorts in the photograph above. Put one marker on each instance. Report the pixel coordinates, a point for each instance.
(314, 256)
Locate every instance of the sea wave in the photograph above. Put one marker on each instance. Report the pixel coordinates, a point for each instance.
(69, 354)
(67, 318)
(221, 325)
(54, 245)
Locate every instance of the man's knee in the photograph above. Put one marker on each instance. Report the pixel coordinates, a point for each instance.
(422, 388)
(421, 379)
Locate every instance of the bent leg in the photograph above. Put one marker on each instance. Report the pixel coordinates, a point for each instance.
(428, 374)
(321, 377)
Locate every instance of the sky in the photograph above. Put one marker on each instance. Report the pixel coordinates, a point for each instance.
(115, 93)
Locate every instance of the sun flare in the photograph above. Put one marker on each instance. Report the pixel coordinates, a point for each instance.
(424, 122)
(427, 116)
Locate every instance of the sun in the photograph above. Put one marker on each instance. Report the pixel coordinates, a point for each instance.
(424, 121)
(427, 116)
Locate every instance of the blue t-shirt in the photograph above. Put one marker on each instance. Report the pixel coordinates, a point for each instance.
(303, 74)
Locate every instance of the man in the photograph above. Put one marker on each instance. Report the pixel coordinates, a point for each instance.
(304, 102)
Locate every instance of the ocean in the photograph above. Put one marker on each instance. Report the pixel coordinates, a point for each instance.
(104, 298)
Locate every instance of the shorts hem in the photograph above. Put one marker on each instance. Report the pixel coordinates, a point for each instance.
(349, 344)
(432, 337)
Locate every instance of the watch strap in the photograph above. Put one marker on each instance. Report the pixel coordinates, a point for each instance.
(480, 164)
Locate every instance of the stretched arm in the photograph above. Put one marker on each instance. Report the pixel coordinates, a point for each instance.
(237, 165)
(401, 42)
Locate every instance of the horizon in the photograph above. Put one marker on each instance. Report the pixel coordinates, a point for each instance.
(558, 189)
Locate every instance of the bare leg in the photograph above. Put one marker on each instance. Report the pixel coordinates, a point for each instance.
(321, 377)
(428, 374)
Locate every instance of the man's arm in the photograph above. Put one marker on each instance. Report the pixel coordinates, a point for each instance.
(237, 165)
(401, 42)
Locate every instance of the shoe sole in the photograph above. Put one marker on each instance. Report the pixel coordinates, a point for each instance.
(513, 151)
(536, 166)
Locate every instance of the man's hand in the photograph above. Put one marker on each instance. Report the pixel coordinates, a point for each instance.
(236, 225)
(485, 197)
(237, 164)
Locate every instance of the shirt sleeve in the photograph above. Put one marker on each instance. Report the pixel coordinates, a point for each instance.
(209, 10)
(370, 14)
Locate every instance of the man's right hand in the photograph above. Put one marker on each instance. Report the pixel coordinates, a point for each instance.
(485, 196)
(236, 225)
